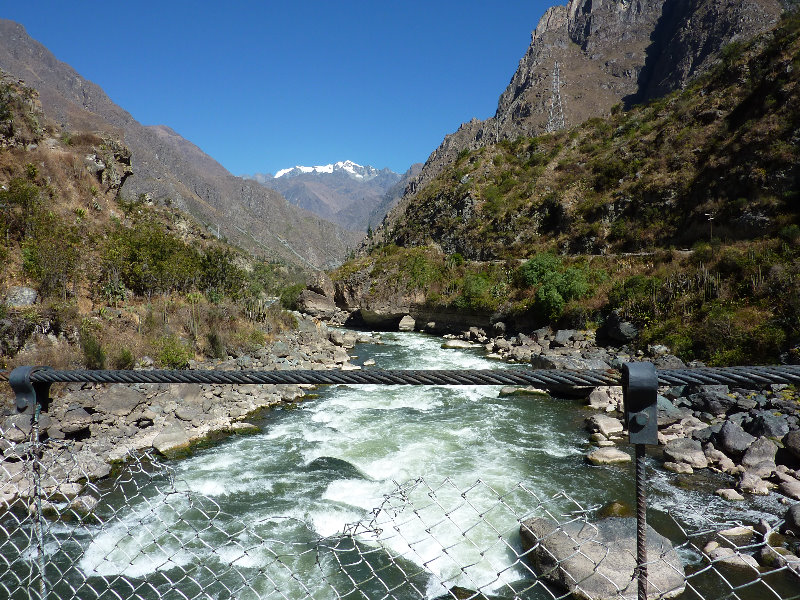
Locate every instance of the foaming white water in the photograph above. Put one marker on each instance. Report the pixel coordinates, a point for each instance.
(340, 466)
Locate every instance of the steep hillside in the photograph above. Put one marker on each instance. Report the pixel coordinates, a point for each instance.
(683, 214)
(169, 167)
(608, 52)
(91, 278)
(344, 193)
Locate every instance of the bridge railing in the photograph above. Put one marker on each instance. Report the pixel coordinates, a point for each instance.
(142, 533)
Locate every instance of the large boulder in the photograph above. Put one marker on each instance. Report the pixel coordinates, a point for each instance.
(791, 522)
(769, 424)
(714, 400)
(608, 456)
(570, 361)
(322, 284)
(791, 441)
(604, 424)
(760, 451)
(619, 329)
(734, 440)
(316, 304)
(597, 561)
(686, 450)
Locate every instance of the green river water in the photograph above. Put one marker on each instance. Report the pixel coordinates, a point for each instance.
(370, 492)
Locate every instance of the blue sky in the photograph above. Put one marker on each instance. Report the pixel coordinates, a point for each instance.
(265, 85)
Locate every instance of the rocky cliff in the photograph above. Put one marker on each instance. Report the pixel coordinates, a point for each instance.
(608, 52)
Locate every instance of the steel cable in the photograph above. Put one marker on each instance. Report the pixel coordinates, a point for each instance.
(551, 379)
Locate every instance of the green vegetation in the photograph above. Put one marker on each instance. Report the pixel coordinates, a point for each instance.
(684, 214)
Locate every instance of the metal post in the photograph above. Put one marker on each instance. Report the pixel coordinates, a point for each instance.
(640, 396)
(33, 398)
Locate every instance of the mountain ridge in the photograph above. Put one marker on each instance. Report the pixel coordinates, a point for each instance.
(623, 52)
(344, 192)
(168, 167)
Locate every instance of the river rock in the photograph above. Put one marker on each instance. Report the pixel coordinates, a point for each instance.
(172, 441)
(520, 353)
(686, 450)
(83, 505)
(75, 422)
(681, 468)
(606, 398)
(668, 413)
(118, 400)
(734, 440)
(767, 423)
(729, 494)
(570, 361)
(619, 329)
(597, 560)
(608, 456)
(668, 361)
(761, 450)
(407, 323)
(753, 484)
(528, 390)
(791, 441)
(728, 556)
(714, 402)
(457, 344)
(604, 424)
(791, 521)
(502, 344)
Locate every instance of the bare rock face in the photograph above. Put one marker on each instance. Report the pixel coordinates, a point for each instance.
(316, 304)
(597, 560)
(608, 52)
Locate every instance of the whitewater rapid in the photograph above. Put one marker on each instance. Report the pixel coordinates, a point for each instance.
(410, 489)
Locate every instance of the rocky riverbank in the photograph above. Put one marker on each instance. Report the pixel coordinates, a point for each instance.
(752, 436)
(88, 428)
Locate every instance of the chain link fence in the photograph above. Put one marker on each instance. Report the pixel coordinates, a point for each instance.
(142, 533)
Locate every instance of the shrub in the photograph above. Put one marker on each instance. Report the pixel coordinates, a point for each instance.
(94, 357)
(290, 295)
(50, 254)
(218, 272)
(549, 302)
(148, 260)
(173, 353)
(124, 359)
(216, 345)
(534, 271)
(790, 234)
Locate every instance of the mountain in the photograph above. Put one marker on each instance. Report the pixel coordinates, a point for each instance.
(680, 215)
(608, 52)
(345, 193)
(169, 168)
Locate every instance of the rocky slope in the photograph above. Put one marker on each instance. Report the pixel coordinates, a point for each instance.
(169, 167)
(681, 213)
(608, 52)
(344, 193)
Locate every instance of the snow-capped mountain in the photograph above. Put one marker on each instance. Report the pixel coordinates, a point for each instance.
(348, 167)
(344, 192)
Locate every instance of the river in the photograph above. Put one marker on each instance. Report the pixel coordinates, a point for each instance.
(398, 491)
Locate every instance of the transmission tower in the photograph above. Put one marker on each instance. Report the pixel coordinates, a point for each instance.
(555, 118)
